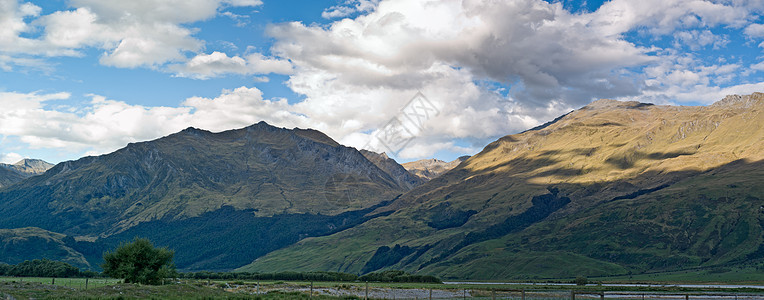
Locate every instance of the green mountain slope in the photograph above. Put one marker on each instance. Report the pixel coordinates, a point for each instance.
(612, 188)
(18, 245)
(194, 181)
(9, 176)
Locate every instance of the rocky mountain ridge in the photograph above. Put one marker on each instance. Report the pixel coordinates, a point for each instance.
(431, 168)
(12, 173)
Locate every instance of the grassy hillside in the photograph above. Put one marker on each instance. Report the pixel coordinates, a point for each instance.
(648, 188)
(18, 245)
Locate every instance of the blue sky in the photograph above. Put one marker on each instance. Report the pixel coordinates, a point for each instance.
(86, 77)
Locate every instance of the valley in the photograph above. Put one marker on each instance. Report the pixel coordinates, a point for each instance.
(611, 189)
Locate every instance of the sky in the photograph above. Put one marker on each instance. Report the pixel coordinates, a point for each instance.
(412, 78)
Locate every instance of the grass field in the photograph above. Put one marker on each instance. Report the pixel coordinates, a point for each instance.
(74, 288)
(721, 276)
(75, 283)
(32, 289)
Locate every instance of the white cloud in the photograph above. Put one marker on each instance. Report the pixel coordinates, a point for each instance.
(664, 16)
(105, 125)
(10, 158)
(140, 33)
(357, 73)
(758, 67)
(755, 30)
(696, 39)
(204, 66)
(362, 71)
(348, 8)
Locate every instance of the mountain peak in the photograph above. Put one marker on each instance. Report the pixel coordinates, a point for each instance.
(32, 166)
(432, 167)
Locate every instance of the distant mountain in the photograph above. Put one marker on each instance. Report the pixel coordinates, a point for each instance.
(611, 188)
(10, 174)
(222, 198)
(431, 168)
(402, 176)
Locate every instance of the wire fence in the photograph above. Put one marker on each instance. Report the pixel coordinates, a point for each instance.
(378, 292)
(76, 283)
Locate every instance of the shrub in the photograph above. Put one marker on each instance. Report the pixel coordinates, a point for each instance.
(139, 262)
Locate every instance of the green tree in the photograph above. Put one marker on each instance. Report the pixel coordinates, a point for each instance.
(139, 262)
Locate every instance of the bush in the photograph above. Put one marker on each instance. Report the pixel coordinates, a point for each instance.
(580, 280)
(398, 276)
(139, 262)
(44, 268)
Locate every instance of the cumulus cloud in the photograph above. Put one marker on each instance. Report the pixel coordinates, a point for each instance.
(758, 67)
(348, 8)
(357, 73)
(105, 125)
(141, 33)
(10, 158)
(204, 66)
(755, 30)
(697, 39)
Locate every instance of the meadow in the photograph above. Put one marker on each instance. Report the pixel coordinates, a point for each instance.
(102, 288)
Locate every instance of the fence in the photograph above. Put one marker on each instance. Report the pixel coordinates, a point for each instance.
(364, 291)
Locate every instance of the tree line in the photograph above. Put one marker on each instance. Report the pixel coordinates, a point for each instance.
(384, 276)
(44, 268)
(140, 262)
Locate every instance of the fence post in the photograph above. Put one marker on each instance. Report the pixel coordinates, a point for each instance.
(311, 289)
(53, 281)
(572, 295)
(258, 287)
(602, 295)
(465, 294)
(86, 283)
(493, 294)
(430, 293)
(366, 295)
(523, 295)
(686, 297)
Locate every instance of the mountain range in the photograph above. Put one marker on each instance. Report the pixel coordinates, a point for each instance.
(611, 188)
(224, 198)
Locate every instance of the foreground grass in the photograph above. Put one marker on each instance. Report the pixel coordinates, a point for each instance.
(665, 288)
(34, 290)
(75, 283)
(40, 288)
(709, 276)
